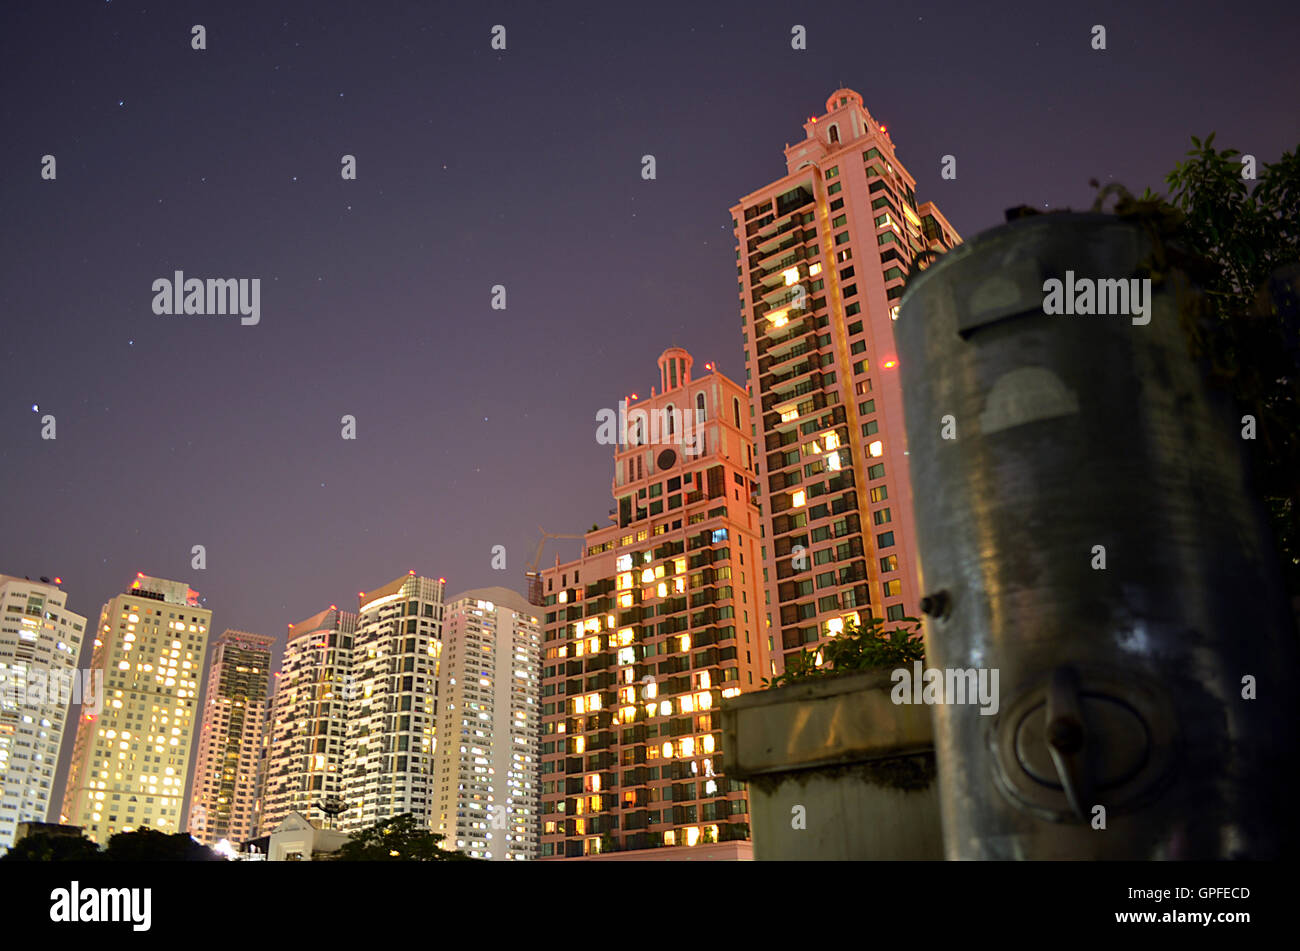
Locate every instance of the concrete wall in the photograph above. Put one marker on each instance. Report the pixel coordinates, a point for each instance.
(836, 771)
(845, 814)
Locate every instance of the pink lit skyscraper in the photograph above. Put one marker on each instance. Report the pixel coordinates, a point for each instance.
(822, 253)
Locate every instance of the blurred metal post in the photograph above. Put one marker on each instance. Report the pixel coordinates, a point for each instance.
(1091, 533)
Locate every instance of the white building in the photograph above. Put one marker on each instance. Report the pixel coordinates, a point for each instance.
(297, 840)
(487, 798)
(308, 728)
(40, 641)
(392, 702)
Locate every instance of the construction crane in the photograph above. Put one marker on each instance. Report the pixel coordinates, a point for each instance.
(533, 573)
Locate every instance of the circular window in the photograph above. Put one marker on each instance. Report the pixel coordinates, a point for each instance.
(667, 459)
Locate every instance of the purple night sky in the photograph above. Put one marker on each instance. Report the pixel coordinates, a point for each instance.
(475, 168)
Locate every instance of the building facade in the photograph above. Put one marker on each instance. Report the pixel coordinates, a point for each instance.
(658, 619)
(822, 254)
(487, 767)
(40, 642)
(224, 800)
(309, 721)
(130, 764)
(393, 705)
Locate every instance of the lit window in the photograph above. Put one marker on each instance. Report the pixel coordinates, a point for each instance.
(799, 498)
(876, 448)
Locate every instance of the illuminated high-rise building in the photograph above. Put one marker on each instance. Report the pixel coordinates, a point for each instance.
(264, 755)
(393, 705)
(487, 797)
(223, 804)
(40, 641)
(131, 760)
(309, 721)
(822, 254)
(658, 619)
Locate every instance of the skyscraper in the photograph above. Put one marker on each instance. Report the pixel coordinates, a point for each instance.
(822, 254)
(487, 798)
(224, 798)
(40, 641)
(393, 702)
(658, 619)
(309, 721)
(131, 760)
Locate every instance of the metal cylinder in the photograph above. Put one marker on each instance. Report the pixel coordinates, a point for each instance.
(1086, 528)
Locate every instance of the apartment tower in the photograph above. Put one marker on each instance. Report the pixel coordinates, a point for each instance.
(224, 800)
(131, 760)
(658, 619)
(388, 761)
(487, 798)
(309, 721)
(822, 254)
(40, 641)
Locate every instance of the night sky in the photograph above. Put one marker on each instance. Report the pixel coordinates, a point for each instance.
(475, 168)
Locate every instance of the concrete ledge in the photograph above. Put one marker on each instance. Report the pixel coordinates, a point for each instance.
(825, 722)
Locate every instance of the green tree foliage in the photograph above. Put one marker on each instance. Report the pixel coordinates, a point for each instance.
(1238, 239)
(53, 847)
(150, 845)
(1248, 231)
(856, 648)
(399, 839)
(1245, 232)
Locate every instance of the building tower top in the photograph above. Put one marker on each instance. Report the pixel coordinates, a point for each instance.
(674, 368)
(838, 99)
